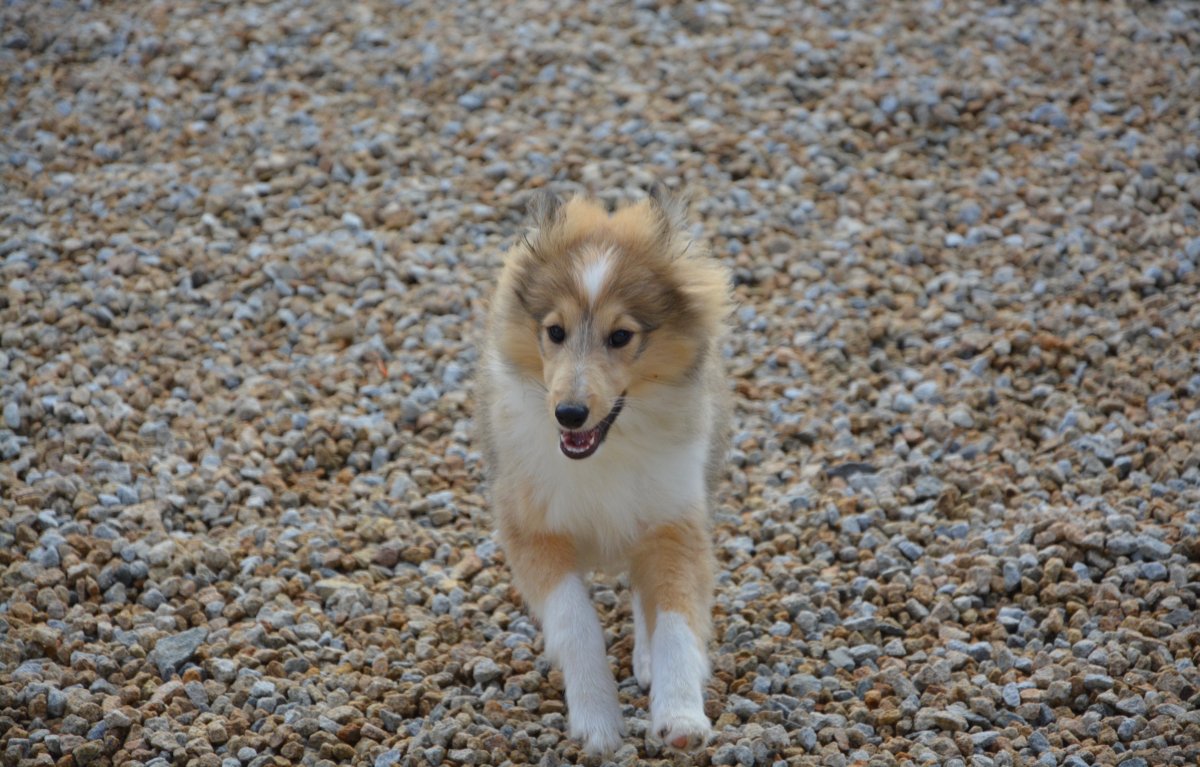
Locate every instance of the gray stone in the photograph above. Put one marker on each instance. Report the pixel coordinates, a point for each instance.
(985, 739)
(486, 671)
(224, 670)
(807, 738)
(389, 758)
(1154, 571)
(1011, 695)
(1152, 548)
(12, 415)
(862, 623)
(926, 391)
(938, 719)
(910, 549)
(171, 652)
(1038, 742)
(262, 688)
(1132, 705)
(841, 658)
(1128, 729)
(863, 653)
(471, 101)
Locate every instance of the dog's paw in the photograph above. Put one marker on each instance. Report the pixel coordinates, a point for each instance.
(641, 664)
(682, 732)
(598, 726)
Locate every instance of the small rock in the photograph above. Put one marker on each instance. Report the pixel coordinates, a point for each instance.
(12, 415)
(807, 738)
(223, 670)
(910, 549)
(926, 391)
(343, 714)
(262, 688)
(985, 739)
(171, 652)
(1153, 548)
(327, 587)
(961, 417)
(840, 657)
(1132, 705)
(938, 719)
(1011, 695)
(486, 671)
(389, 758)
(1154, 571)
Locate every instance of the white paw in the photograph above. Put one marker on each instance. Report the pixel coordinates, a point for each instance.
(682, 732)
(641, 663)
(597, 724)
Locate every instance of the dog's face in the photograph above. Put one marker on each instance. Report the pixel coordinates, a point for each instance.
(602, 308)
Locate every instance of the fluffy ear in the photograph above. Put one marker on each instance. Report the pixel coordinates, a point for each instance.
(543, 209)
(672, 210)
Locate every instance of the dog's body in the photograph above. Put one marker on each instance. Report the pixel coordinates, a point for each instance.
(604, 416)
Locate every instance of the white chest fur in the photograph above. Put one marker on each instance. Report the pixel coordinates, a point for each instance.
(649, 470)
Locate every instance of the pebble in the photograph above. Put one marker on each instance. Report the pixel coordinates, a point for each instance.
(486, 671)
(807, 738)
(1154, 571)
(911, 550)
(1097, 682)
(936, 719)
(1152, 548)
(262, 688)
(841, 658)
(1132, 706)
(926, 391)
(961, 417)
(171, 652)
(239, 345)
(984, 740)
(388, 758)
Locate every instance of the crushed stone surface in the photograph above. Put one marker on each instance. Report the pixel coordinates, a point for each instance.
(245, 250)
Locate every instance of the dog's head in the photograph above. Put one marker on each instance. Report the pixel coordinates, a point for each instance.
(600, 308)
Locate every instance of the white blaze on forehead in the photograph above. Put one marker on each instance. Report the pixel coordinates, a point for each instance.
(595, 272)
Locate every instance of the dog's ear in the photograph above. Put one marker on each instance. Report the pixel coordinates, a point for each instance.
(543, 209)
(672, 210)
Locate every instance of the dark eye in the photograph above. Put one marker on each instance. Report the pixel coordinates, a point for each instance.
(619, 338)
(556, 333)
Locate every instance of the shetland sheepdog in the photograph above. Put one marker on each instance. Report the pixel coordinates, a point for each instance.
(604, 415)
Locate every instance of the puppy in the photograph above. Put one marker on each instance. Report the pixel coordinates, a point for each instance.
(604, 416)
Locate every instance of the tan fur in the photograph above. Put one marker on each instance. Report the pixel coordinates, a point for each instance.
(674, 298)
(685, 343)
(673, 569)
(661, 284)
(538, 559)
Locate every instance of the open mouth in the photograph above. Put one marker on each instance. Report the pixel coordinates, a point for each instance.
(581, 444)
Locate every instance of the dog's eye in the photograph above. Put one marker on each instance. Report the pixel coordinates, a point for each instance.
(619, 338)
(556, 333)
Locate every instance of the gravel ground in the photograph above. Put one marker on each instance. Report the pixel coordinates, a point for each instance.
(244, 253)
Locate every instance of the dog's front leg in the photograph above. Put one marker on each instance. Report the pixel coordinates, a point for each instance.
(672, 574)
(544, 571)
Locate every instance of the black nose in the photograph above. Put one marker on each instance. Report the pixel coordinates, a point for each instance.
(571, 415)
